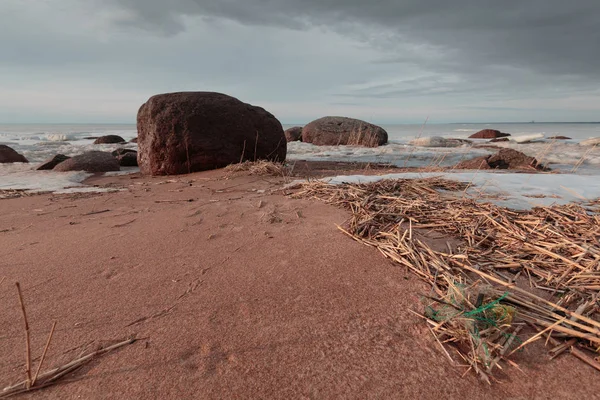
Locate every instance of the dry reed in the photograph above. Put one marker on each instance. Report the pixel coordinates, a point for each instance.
(260, 167)
(483, 292)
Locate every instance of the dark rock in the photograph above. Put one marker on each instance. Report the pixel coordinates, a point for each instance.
(121, 150)
(504, 159)
(9, 155)
(128, 160)
(134, 140)
(499, 140)
(126, 157)
(91, 137)
(185, 132)
(91, 161)
(488, 134)
(333, 131)
(53, 162)
(559, 138)
(109, 139)
(293, 134)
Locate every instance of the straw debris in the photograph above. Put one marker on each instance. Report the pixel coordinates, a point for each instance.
(260, 167)
(513, 268)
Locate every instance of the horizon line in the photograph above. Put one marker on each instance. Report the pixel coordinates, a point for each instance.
(304, 123)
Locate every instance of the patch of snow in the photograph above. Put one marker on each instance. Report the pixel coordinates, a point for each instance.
(514, 190)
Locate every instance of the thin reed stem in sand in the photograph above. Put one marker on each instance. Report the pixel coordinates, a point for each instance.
(37, 372)
(50, 377)
(27, 338)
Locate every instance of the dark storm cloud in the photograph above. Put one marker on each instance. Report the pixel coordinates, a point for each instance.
(554, 37)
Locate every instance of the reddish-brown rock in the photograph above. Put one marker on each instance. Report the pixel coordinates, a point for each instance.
(474, 163)
(91, 161)
(488, 134)
(334, 131)
(109, 139)
(293, 134)
(504, 159)
(185, 132)
(9, 155)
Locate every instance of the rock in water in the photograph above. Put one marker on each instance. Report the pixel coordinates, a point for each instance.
(504, 159)
(488, 134)
(126, 157)
(9, 155)
(559, 137)
(134, 140)
(186, 132)
(293, 134)
(109, 139)
(121, 150)
(53, 162)
(91, 161)
(333, 131)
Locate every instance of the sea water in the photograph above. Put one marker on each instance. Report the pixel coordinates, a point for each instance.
(40, 142)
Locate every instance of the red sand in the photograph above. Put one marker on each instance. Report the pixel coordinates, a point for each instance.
(237, 294)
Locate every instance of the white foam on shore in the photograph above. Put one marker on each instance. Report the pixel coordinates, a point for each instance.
(513, 189)
(561, 155)
(24, 177)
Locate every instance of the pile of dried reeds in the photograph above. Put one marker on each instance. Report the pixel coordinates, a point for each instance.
(260, 167)
(539, 267)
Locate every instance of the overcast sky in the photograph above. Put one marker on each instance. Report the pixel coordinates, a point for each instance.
(383, 61)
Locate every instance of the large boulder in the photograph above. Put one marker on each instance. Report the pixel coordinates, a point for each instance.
(109, 139)
(185, 132)
(504, 159)
(91, 161)
(126, 157)
(438, 141)
(333, 131)
(9, 155)
(52, 162)
(488, 134)
(293, 134)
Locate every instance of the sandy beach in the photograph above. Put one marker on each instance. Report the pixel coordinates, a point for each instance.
(233, 290)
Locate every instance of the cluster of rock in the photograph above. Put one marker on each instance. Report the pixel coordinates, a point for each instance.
(504, 159)
(184, 132)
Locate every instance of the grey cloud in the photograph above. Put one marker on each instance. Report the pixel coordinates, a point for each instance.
(550, 36)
